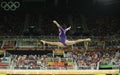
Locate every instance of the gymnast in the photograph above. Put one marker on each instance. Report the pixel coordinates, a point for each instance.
(63, 39)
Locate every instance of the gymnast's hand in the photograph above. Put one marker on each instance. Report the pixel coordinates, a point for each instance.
(68, 28)
(54, 21)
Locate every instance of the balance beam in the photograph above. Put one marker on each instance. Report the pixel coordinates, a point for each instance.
(59, 71)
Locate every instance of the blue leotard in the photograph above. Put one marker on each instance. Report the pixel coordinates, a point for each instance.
(62, 35)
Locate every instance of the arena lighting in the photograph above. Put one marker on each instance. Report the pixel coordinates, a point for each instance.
(32, 26)
(79, 27)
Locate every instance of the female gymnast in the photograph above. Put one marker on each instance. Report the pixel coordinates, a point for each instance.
(63, 39)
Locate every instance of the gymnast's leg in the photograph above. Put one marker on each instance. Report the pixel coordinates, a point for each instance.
(77, 41)
(53, 43)
(68, 43)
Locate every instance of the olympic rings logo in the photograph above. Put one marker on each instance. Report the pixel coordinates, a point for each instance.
(10, 5)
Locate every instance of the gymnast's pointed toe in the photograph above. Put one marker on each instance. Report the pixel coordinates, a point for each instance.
(88, 39)
(42, 41)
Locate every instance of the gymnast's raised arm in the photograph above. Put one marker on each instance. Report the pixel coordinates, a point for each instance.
(58, 25)
(55, 22)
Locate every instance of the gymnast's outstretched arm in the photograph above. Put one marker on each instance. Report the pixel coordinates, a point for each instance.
(68, 28)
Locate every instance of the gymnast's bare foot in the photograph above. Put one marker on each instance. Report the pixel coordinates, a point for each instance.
(88, 39)
(43, 41)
